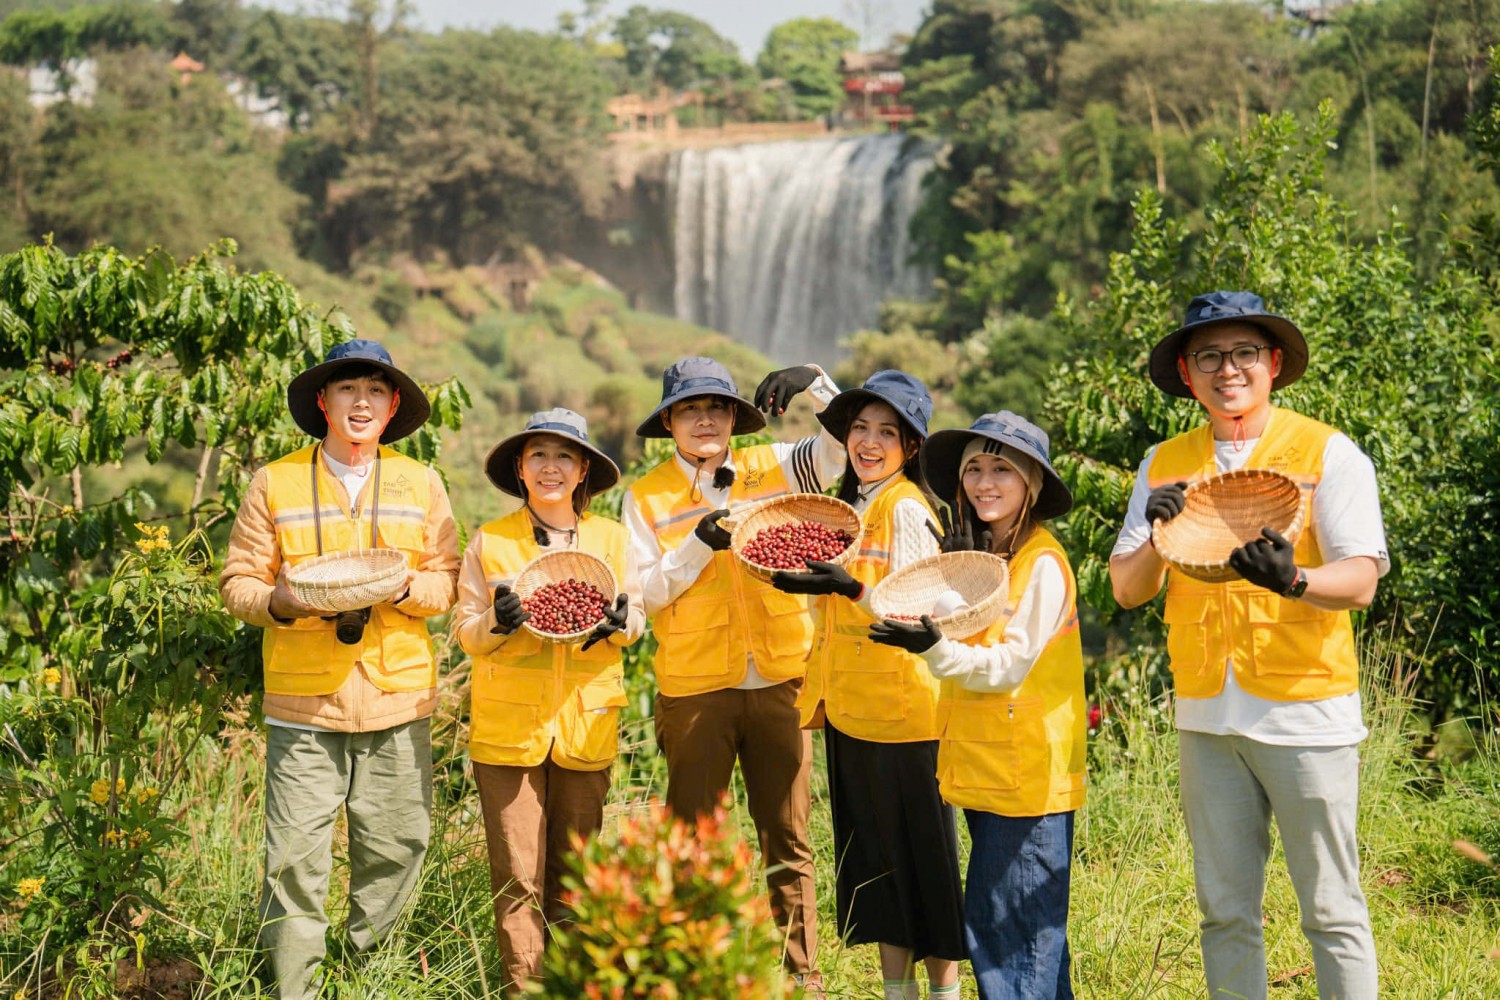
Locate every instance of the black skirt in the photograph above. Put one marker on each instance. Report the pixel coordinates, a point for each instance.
(896, 845)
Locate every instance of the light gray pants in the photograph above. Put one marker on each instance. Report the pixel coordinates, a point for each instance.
(1231, 787)
(384, 782)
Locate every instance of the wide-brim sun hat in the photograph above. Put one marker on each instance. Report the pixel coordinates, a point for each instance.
(942, 453)
(904, 393)
(302, 392)
(500, 465)
(698, 376)
(1214, 309)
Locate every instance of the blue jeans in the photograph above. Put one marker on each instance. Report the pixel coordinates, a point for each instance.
(1016, 905)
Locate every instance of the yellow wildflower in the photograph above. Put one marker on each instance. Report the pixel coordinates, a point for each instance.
(51, 676)
(144, 795)
(112, 837)
(21, 994)
(28, 887)
(99, 790)
(67, 510)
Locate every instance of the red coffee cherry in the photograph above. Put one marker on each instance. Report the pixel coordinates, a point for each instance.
(565, 606)
(795, 544)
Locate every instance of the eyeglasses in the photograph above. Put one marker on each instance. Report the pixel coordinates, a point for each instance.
(1245, 356)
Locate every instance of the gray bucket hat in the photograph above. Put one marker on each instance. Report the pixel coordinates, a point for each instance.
(906, 394)
(694, 377)
(1227, 307)
(941, 454)
(302, 392)
(500, 466)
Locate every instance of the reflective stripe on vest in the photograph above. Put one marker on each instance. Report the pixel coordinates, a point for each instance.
(704, 637)
(1022, 752)
(868, 690)
(305, 658)
(531, 698)
(1282, 650)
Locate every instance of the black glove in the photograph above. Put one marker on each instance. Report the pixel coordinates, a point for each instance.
(508, 611)
(910, 636)
(709, 532)
(960, 539)
(777, 389)
(1266, 562)
(614, 621)
(1165, 502)
(821, 578)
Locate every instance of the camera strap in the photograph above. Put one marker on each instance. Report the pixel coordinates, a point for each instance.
(318, 507)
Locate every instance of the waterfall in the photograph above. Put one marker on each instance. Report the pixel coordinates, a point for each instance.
(790, 246)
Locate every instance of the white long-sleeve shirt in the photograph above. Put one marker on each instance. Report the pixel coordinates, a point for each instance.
(810, 465)
(1002, 666)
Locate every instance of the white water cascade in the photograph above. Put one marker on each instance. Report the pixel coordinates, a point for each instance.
(790, 246)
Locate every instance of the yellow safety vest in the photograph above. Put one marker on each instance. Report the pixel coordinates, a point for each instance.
(704, 637)
(1023, 752)
(1282, 650)
(530, 696)
(868, 690)
(305, 657)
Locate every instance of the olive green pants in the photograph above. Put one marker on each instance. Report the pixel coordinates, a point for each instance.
(384, 782)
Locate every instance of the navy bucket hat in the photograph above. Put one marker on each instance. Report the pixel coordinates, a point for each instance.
(500, 466)
(905, 393)
(694, 377)
(302, 393)
(1227, 307)
(942, 452)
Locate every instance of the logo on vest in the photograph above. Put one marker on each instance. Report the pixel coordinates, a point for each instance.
(754, 478)
(396, 488)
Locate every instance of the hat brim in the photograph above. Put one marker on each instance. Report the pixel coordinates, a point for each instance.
(302, 399)
(843, 408)
(500, 464)
(942, 452)
(747, 419)
(1163, 364)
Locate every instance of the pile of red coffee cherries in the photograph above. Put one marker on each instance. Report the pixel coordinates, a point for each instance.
(565, 606)
(793, 545)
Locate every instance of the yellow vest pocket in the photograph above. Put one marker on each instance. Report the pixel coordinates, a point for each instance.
(588, 726)
(696, 639)
(1287, 637)
(506, 709)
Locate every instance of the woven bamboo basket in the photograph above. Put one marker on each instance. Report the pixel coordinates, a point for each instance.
(982, 579)
(347, 581)
(565, 564)
(744, 524)
(1223, 513)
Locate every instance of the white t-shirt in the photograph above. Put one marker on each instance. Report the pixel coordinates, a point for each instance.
(1347, 522)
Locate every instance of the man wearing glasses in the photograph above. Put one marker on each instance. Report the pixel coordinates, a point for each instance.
(1266, 678)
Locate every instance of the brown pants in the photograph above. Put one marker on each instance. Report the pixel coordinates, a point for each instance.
(528, 814)
(701, 735)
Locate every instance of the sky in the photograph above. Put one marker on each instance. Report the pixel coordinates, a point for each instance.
(744, 22)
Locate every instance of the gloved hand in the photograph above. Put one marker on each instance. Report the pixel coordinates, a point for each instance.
(913, 637)
(1266, 562)
(960, 539)
(709, 532)
(508, 611)
(821, 578)
(777, 389)
(614, 621)
(1165, 502)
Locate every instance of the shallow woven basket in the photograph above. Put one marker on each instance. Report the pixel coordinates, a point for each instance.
(565, 564)
(347, 581)
(982, 578)
(745, 524)
(1223, 513)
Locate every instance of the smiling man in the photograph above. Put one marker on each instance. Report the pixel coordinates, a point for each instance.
(1267, 682)
(347, 702)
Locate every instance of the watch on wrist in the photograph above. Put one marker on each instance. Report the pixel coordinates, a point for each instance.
(1299, 585)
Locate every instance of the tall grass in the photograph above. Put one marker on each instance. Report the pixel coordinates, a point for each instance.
(1133, 922)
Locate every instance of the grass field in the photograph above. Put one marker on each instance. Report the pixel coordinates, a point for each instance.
(1133, 920)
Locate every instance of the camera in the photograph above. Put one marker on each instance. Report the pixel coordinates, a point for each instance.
(349, 626)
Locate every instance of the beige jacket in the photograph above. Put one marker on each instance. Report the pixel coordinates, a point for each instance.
(249, 576)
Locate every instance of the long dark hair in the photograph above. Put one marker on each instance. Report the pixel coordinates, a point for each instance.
(911, 443)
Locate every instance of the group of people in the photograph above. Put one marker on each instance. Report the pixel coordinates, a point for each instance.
(916, 724)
